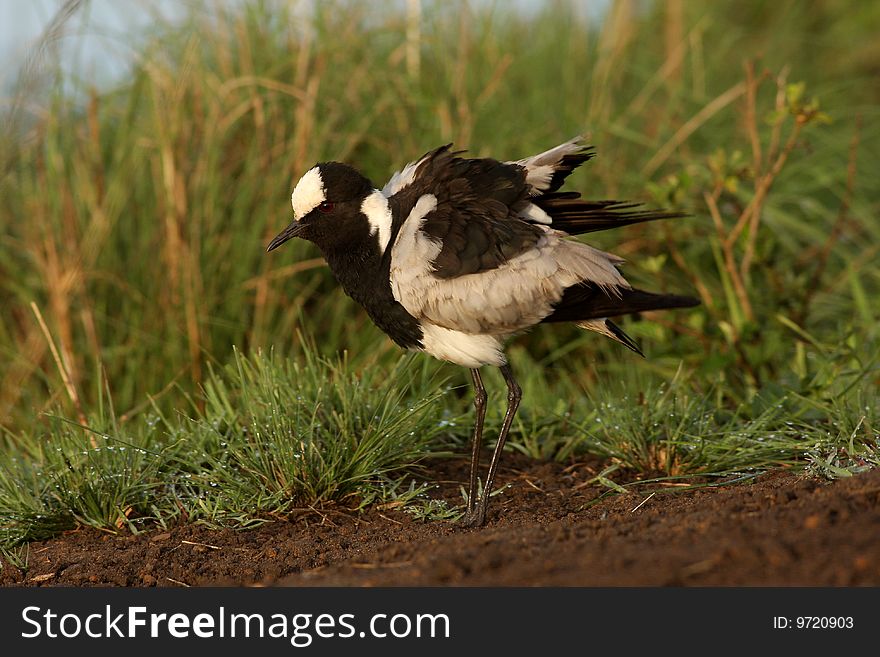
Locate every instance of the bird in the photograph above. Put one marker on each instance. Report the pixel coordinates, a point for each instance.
(455, 255)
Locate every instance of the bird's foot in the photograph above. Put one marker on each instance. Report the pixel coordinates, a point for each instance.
(475, 516)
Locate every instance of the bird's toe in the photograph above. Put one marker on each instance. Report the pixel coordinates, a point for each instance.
(475, 517)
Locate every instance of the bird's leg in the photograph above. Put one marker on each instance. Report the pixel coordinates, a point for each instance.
(476, 442)
(514, 394)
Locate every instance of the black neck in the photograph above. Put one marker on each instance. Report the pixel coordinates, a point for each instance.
(365, 277)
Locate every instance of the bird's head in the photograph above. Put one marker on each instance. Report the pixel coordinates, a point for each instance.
(327, 203)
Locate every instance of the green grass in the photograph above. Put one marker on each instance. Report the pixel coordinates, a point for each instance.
(135, 218)
(273, 435)
(280, 434)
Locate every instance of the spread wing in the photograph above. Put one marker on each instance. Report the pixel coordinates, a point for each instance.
(457, 217)
(478, 217)
(507, 222)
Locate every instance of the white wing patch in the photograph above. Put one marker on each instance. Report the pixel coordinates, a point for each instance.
(540, 168)
(308, 193)
(402, 178)
(536, 215)
(413, 252)
(378, 213)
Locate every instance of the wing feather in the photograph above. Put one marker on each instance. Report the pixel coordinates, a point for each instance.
(471, 251)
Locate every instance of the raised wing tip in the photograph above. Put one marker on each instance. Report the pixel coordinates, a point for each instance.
(581, 141)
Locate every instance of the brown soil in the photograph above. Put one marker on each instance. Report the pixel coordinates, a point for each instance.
(779, 529)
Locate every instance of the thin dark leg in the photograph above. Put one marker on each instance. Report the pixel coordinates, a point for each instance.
(514, 394)
(477, 438)
(476, 515)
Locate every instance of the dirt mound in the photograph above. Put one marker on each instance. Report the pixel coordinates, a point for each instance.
(544, 529)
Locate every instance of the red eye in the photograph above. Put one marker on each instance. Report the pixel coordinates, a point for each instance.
(326, 207)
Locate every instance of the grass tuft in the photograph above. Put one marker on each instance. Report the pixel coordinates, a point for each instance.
(274, 435)
(282, 434)
(74, 476)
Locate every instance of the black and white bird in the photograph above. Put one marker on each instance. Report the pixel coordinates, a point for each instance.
(454, 255)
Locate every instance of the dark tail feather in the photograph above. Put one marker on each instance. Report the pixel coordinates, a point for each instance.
(575, 216)
(623, 338)
(609, 329)
(588, 301)
(566, 165)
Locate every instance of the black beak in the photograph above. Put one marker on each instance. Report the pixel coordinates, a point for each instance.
(293, 230)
